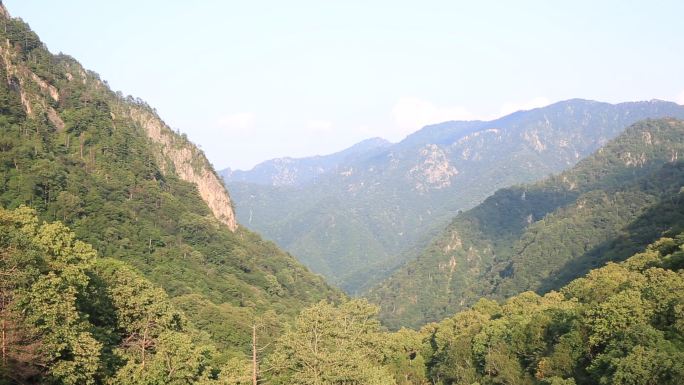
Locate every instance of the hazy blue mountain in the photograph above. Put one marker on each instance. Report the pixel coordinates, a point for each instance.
(299, 171)
(355, 222)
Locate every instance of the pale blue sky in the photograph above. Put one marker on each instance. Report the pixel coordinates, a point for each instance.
(253, 80)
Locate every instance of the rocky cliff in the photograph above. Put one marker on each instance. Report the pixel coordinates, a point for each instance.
(40, 99)
(188, 162)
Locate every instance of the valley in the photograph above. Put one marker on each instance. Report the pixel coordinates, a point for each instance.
(355, 218)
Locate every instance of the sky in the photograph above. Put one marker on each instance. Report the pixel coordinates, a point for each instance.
(254, 80)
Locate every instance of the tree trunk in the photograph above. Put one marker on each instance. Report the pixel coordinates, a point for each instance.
(4, 341)
(254, 356)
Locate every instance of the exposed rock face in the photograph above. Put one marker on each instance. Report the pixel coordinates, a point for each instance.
(287, 173)
(189, 164)
(33, 102)
(434, 172)
(46, 87)
(532, 137)
(54, 118)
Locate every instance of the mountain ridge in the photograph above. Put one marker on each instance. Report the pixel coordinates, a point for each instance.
(539, 236)
(396, 198)
(288, 171)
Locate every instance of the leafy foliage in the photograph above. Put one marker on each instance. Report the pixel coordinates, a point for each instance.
(620, 324)
(69, 317)
(331, 345)
(614, 326)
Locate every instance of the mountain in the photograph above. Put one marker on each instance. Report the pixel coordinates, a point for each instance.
(359, 220)
(107, 166)
(540, 236)
(297, 172)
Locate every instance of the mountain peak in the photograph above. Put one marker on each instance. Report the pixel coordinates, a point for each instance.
(375, 141)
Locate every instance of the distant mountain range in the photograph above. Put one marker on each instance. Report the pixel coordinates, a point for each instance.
(298, 172)
(356, 215)
(541, 236)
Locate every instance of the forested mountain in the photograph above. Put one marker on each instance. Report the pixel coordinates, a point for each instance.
(108, 167)
(540, 236)
(357, 221)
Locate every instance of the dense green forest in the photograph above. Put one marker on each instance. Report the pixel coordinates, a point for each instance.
(540, 236)
(108, 167)
(71, 317)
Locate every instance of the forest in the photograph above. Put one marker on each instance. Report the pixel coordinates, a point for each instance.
(72, 317)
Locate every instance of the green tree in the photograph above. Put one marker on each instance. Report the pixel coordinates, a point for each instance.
(331, 345)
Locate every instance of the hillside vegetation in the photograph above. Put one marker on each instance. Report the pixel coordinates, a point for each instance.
(540, 236)
(108, 167)
(71, 317)
(621, 324)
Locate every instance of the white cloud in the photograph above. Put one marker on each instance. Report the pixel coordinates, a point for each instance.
(410, 114)
(680, 98)
(319, 126)
(240, 122)
(511, 107)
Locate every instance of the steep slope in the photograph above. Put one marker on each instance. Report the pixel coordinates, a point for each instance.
(108, 166)
(357, 222)
(540, 236)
